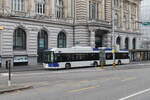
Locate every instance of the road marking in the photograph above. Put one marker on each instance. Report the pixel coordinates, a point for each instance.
(128, 79)
(82, 89)
(135, 94)
(5, 74)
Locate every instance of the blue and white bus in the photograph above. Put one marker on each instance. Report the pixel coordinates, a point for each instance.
(56, 58)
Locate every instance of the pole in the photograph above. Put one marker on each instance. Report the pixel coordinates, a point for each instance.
(113, 33)
(74, 23)
(9, 70)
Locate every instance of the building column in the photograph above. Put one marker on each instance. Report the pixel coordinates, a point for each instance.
(139, 43)
(31, 8)
(130, 43)
(122, 43)
(92, 38)
(53, 8)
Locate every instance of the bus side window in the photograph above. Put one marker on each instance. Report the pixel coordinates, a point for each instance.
(109, 56)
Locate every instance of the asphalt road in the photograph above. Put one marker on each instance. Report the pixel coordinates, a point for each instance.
(127, 82)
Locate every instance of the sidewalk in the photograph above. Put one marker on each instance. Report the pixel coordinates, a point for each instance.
(139, 62)
(22, 68)
(6, 89)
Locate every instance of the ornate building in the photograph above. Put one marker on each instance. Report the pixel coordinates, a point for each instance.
(31, 26)
(145, 27)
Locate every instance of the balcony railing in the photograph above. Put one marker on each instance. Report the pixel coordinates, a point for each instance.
(98, 22)
(18, 13)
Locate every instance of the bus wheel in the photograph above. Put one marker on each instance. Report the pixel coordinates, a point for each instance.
(119, 62)
(68, 66)
(95, 64)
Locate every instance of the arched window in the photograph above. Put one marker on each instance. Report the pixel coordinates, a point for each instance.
(118, 41)
(134, 43)
(127, 43)
(19, 39)
(42, 44)
(61, 40)
(42, 40)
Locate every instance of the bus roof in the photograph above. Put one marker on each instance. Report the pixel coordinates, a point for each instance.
(82, 50)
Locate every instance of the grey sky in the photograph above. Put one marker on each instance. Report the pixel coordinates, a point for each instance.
(145, 2)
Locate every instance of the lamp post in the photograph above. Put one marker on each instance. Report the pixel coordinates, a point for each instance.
(74, 22)
(1, 27)
(113, 33)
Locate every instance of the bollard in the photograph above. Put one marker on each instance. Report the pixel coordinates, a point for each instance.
(114, 65)
(9, 71)
(6, 64)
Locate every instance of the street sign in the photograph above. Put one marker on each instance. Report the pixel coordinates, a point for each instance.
(146, 23)
(1, 27)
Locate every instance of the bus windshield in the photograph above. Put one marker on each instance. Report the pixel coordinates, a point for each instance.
(48, 57)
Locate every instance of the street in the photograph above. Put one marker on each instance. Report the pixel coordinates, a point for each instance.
(127, 82)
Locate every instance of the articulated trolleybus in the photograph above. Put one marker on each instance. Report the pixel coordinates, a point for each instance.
(56, 58)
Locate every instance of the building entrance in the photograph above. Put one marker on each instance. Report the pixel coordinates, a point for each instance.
(99, 38)
(42, 44)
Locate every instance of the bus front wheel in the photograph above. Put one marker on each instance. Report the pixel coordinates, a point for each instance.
(68, 66)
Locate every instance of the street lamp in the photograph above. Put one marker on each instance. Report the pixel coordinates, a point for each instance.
(113, 33)
(1, 27)
(74, 16)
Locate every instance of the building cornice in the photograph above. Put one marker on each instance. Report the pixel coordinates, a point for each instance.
(45, 21)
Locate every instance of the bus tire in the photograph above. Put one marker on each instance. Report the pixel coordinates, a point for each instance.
(67, 65)
(119, 62)
(95, 64)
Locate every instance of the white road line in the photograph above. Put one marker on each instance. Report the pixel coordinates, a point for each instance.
(5, 74)
(51, 72)
(135, 94)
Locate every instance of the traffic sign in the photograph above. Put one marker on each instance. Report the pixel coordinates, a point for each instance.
(146, 23)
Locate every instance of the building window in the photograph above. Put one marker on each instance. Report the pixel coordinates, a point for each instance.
(42, 40)
(61, 40)
(40, 7)
(118, 41)
(125, 22)
(133, 22)
(19, 39)
(93, 10)
(116, 20)
(127, 43)
(134, 43)
(116, 3)
(59, 9)
(17, 5)
(42, 44)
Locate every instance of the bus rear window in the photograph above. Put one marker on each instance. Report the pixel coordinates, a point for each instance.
(122, 56)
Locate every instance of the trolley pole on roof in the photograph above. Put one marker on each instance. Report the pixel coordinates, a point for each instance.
(113, 34)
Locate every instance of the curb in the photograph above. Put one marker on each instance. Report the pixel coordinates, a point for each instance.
(20, 70)
(15, 89)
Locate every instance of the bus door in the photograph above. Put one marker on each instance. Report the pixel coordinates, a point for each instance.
(102, 57)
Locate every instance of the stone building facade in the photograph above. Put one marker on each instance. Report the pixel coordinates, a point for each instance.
(145, 27)
(31, 26)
